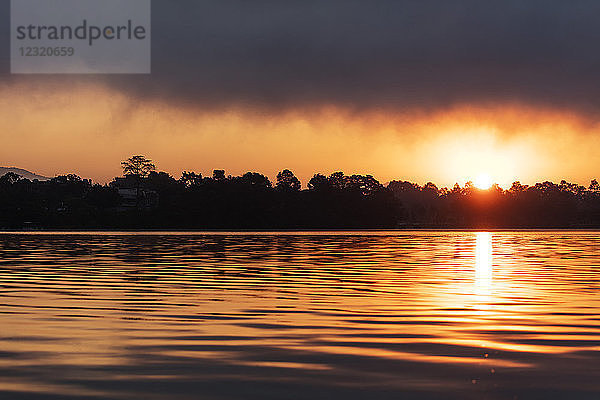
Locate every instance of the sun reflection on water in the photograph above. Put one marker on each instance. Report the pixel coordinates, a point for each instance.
(483, 270)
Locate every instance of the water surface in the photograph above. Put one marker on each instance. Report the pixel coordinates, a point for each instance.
(358, 315)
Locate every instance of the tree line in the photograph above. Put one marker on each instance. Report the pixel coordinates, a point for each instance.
(252, 201)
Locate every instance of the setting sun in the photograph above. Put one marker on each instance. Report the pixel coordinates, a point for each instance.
(483, 182)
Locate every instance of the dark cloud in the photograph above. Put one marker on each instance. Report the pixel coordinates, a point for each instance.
(369, 54)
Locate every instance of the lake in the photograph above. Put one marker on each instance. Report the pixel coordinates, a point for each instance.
(349, 315)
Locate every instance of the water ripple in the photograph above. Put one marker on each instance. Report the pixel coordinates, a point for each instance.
(378, 315)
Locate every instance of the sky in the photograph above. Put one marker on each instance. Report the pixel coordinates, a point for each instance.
(440, 91)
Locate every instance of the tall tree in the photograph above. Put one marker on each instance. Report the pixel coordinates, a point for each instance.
(138, 166)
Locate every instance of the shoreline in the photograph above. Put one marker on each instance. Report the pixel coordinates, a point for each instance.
(286, 231)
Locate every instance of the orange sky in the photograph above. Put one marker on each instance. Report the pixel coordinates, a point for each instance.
(89, 129)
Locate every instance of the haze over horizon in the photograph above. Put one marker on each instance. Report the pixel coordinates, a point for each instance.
(428, 91)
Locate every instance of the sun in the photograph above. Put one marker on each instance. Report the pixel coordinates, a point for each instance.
(483, 181)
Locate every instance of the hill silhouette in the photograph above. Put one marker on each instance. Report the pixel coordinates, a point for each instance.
(22, 173)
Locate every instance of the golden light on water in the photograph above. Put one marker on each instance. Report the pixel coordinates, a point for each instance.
(474, 306)
(483, 269)
(484, 255)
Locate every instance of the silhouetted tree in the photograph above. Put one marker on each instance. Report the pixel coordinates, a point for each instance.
(254, 180)
(287, 181)
(250, 201)
(337, 180)
(139, 166)
(517, 188)
(219, 175)
(189, 179)
(365, 184)
(318, 182)
(9, 178)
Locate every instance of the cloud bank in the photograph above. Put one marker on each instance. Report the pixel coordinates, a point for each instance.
(368, 54)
